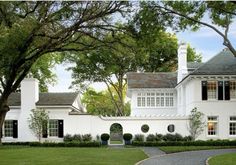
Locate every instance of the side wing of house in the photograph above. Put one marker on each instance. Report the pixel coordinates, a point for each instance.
(152, 93)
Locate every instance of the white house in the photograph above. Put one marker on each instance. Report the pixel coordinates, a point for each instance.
(163, 101)
(210, 87)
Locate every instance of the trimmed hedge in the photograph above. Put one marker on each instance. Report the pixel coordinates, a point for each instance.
(187, 143)
(50, 144)
(77, 138)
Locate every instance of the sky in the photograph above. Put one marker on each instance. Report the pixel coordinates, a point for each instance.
(205, 41)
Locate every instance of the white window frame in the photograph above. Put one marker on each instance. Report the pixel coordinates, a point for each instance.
(155, 99)
(213, 122)
(52, 130)
(232, 121)
(10, 130)
(232, 94)
(216, 90)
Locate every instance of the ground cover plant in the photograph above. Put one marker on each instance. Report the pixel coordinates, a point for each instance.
(82, 156)
(225, 159)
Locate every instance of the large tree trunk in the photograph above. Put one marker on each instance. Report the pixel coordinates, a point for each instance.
(4, 108)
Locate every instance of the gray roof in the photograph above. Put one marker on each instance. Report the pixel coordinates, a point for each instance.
(194, 65)
(152, 80)
(46, 99)
(224, 63)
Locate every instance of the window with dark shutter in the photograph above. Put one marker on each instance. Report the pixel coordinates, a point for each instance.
(60, 128)
(45, 129)
(15, 129)
(204, 90)
(220, 90)
(227, 90)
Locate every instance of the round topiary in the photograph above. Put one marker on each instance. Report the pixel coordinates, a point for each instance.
(145, 128)
(127, 136)
(105, 137)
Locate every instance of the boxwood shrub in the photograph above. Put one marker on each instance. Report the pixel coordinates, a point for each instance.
(52, 144)
(139, 137)
(127, 136)
(105, 137)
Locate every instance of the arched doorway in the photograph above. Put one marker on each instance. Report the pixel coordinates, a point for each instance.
(116, 134)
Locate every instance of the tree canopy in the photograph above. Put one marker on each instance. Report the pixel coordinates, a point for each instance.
(31, 29)
(182, 15)
(101, 103)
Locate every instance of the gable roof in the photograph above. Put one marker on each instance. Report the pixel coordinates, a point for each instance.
(224, 63)
(152, 80)
(46, 99)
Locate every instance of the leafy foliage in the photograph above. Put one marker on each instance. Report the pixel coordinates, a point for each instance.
(100, 103)
(182, 15)
(38, 121)
(31, 29)
(196, 124)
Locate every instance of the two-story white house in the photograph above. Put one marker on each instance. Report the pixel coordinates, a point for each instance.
(162, 101)
(209, 86)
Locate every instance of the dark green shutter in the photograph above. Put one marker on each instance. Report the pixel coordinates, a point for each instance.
(15, 129)
(220, 90)
(45, 129)
(60, 128)
(204, 90)
(227, 92)
(1, 132)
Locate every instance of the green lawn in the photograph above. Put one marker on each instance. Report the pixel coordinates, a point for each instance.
(172, 149)
(61, 156)
(116, 142)
(226, 159)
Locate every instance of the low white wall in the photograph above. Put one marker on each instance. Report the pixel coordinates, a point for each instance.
(96, 125)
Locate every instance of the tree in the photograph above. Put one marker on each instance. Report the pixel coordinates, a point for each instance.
(196, 124)
(42, 70)
(180, 15)
(192, 55)
(100, 103)
(29, 30)
(38, 121)
(108, 65)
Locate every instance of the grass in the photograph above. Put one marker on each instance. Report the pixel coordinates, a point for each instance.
(60, 156)
(173, 149)
(116, 142)
(225, 159)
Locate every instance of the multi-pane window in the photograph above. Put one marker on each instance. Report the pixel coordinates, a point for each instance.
(220, 90)
(152, 99)
(169, 100)
(232, 125)
(53, 127)
(141, 100)
(211, 89)
(8, 128)
(233, 89)
(212, 125)
(155, 99)
(148, 99)
(162, 100)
